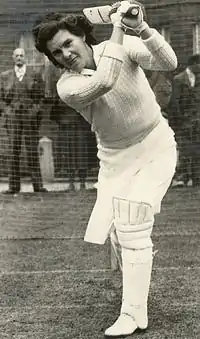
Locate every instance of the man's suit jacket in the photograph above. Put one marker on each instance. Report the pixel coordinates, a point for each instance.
(183, 107)
(161, 87)
(32, 97)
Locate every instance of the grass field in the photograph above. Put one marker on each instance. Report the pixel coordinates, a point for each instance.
(55, 286)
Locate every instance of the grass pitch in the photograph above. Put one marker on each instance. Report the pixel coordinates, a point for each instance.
(55, 286)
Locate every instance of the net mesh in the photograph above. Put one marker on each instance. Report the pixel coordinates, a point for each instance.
(45, 144)
(63, 134)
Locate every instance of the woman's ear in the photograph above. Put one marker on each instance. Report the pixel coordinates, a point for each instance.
(84, 38)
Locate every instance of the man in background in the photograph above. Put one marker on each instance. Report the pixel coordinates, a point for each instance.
(75, 150)
(185, 120)
(161, 85)
(72, 144)
(21, 94)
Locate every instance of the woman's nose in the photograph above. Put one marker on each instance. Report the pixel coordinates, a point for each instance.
(66, 53)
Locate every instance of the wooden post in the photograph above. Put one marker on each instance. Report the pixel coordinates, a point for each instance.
(113, 259)
(115, 253)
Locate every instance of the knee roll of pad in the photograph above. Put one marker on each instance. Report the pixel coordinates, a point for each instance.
(142, 256)
(134, 222)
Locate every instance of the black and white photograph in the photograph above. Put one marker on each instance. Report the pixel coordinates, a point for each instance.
(100, 169)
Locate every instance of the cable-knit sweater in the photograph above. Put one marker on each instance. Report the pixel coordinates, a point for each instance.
(116, 99)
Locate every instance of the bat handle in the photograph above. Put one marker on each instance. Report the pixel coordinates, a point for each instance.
(133, 11)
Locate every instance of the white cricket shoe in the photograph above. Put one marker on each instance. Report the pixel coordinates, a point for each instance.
(123, 326)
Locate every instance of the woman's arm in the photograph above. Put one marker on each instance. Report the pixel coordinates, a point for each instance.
(151, 52)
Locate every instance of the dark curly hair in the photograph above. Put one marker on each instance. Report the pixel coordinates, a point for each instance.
(48, 26)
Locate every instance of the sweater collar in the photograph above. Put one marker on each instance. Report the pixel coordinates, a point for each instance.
(96, 56)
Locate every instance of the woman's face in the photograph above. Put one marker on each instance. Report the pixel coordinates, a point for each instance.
(70, 50)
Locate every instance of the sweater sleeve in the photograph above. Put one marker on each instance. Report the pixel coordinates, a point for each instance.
(79, 91)
(153, 53)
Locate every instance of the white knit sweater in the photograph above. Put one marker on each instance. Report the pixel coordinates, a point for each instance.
(116, 99)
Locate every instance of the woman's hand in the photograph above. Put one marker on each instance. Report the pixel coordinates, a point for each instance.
(131, 21)
(116, 14)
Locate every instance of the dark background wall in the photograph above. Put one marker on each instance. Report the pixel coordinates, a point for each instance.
(18, 17)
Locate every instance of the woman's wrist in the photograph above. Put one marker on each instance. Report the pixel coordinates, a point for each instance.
(117, 33)
(146, 32)
(118, 24)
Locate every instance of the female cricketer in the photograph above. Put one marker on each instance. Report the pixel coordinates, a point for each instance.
(106, 84)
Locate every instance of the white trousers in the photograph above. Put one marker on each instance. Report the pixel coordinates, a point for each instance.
(140, 173)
